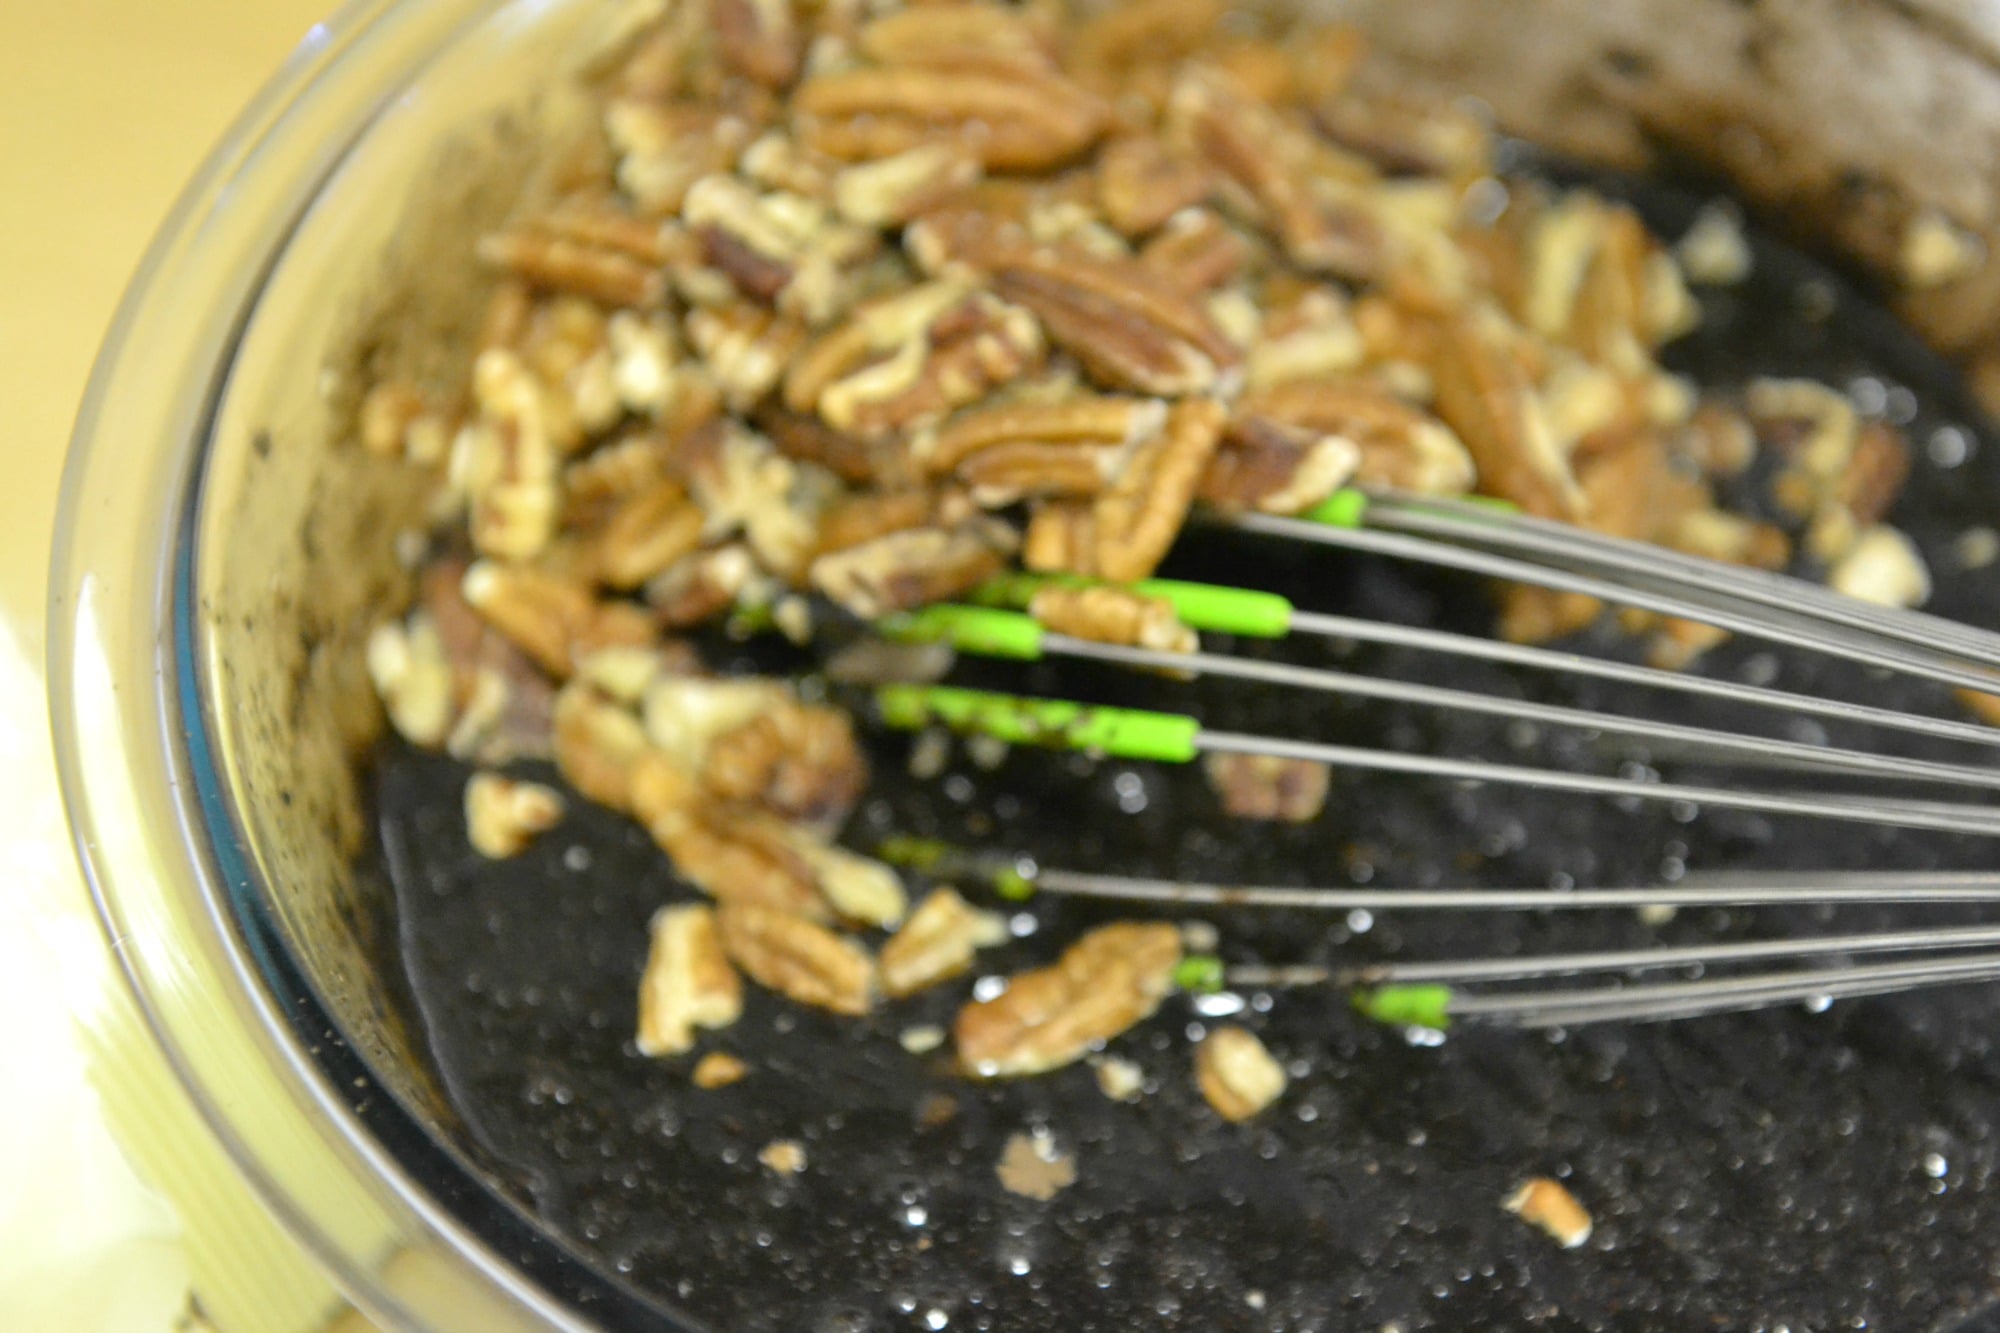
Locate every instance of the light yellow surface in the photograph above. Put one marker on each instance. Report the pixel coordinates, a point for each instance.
(106, 106)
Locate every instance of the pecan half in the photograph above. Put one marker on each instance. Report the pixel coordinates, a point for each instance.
(598, 745)
(1012, 120)
(602, 254)
(1237, 1075)
(1141, 184)
(1112, 978)
(1282, 177)
(1197, 252)
(759, 38)
(1140, 516)
(800, 760)
(960, 36)
(1256, 786)
(938, 942)
(1402, 447)
(645, 534)
(1070, 447)
(555, 620)
(1484, 395)
(892, 190)
(799, 959)
(1277, 467)
(733, 855)
(914, 567)
(688, 982)
(1112, 615)
(700, 587)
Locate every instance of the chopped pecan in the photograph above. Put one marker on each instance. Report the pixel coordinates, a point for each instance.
(1935, 251)
(913, 567)
(746, 348)
(1282, 177)
(1031, 1167)
(1257, 786)
(892, 190)
(798, 759)
(912, 357)
(778, 248)
(506, 462)
(937, 943)
(597, 252)
(718, 1069)
(1277, 467)
(798, 958)
(1544, 1203)
(1716, 534)
(1113, 43)
(785, 1157)
(664, 148)
(1408, 135)
(759, 38)
(1141, 184)
(733, 855)
(858, 888)
(645, 534)
(1012, 120)
(1717, 440)
(688, 983)
(808, 439)
(389, 413)
(1875, 476)
(597, 483)
(1237, 1075)
(1140, 516)
(598, 745)
(503, 815)
(1484, 395)
(857, 519)
(1112, 615)
(700, 587)
(555, 620)
(1631, 488)
(413, 678)
(1883, 567)
(1114, 317)
(960, 36)
(1110, 979)
(1533, 614)
(744, 484)
(1197, 252)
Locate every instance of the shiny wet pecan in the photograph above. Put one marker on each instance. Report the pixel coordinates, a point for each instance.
(688, 982)
(1109, 980)
(734, 855)
(1402, 447)
(913, 567)
(1276, 467)
(799, 959)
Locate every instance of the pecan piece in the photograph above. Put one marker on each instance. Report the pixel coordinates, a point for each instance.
(1012, 120)
(1140, 184)
(1883, 567)
(718, 1069)
(754, 741)
(1110, 979)
(733, 855)
(799, 959)
(1408, 135)
(700, 587)
(645, 534)
(413, 678)
(1115, 318)
(1277, 467)
(858, 519)
(1402, 447)
(664, 148)
(937, 943)
(554, 619)
(745, 347)
(1544, 1203)
(598, 746)
(892, 190)
(1197, 252)
(503, 815)
(1140, 516)
(1112, 615)
(760, 38)
(1266, 787)
(563, 253)
(1072, 446)
(913, 567)
(960, 36)
(688, 983)
(1237, 1075)
(1484, 395)
(507, 462)
(778, 248)
(1311, 336)
(1281, 176)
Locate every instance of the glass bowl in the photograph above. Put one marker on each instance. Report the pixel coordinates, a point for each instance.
(220, 551)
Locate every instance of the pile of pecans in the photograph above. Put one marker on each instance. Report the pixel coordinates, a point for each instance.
(874, 301)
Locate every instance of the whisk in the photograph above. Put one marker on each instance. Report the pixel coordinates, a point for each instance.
(1560, 989)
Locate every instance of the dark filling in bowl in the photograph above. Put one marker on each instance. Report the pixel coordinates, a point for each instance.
(1821, 1170)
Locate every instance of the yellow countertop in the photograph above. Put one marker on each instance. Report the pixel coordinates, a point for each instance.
(105, 108)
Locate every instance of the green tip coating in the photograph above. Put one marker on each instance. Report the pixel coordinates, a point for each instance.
(919, 854)
(1200, 974)
(1203, 606)
(1125, 733)
(1012, 885)
(1406, 1006)
(980, 630)
(1345, 508)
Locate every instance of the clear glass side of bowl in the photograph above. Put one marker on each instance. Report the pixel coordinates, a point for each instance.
(227, 337)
